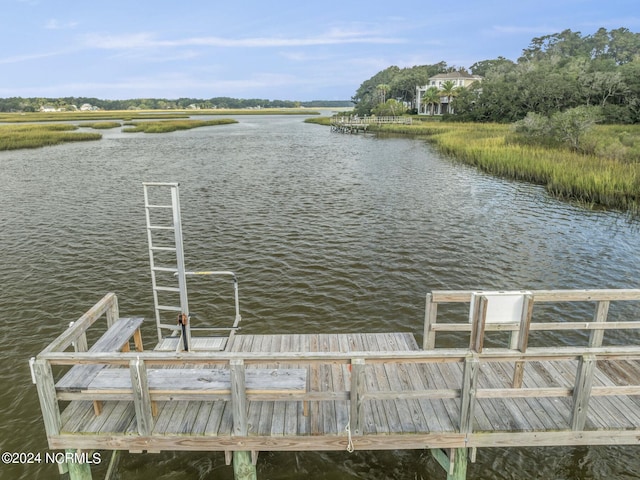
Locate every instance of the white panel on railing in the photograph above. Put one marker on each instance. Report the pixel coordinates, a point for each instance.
(502, 307)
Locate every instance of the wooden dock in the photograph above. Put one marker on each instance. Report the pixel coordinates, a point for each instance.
(356, 124)
(355, 391)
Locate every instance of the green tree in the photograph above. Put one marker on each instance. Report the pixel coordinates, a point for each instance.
(572, 126)
(484, 67)
(391, 107)
(383, 89)
(430, 99)
(449, 90)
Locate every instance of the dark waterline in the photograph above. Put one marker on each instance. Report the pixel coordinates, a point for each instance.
(326, 232)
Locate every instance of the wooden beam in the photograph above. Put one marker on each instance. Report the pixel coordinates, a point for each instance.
(339, 442)
(417, 356)
(141, 398)
(47, 396)
(586, 295)
(238, 397)
(430, 316)
(478, 322)
(356, 395)
(279, 443)
(243, 466)
(582, 391)
(468, 393)
(599, 316)
(82, 324)
(521, 340)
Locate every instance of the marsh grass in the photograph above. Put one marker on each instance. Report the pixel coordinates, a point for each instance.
(126, 115)
(319, 120)
(165, 126)
(13, 137)
(133, 115)
(101, 125)
(608, 176)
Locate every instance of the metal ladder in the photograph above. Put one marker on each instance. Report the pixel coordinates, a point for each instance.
(166, 259)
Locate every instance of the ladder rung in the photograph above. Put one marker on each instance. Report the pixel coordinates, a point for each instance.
(169, 308)
(158, 206)
(164, 249)
(170, 327)
(167, 289)
(164, 269)
(159, 227)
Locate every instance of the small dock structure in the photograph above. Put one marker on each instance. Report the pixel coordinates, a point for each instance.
(510, 378)
(357, 124)
(355, 391)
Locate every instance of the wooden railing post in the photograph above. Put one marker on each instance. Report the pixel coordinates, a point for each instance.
(238, 397)
(141, 397)
(522, 339)
(47, 395)
(243, 466)
(430, 315)
(468, 392)
(582, 391)
(599, 316)
(478, 322)
(113, 313)
(356, 395)
(80, 343)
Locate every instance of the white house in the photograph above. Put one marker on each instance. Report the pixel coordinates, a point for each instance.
(49, 108)
(458, 79)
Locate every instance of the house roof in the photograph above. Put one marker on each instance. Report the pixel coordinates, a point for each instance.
(455, 75)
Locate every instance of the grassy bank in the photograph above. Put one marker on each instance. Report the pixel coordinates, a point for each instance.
(165, 126)
(101, 125)
(13, 137)
(609, 177)
(133, 115)
(319, 120)
(125, 115)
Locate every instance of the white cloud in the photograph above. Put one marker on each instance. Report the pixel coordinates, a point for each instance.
(149, 40)
(31, 56)
(53, 24)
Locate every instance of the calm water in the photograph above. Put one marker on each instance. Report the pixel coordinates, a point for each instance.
(326, 232)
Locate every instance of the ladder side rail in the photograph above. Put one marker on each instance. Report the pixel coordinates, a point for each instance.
(145, 187)
(182, 281)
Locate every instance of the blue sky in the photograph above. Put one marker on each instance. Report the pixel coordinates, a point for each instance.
(291, 50)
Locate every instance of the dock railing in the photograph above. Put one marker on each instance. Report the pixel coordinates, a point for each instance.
(357, 390)
(521, 327)
(371, 120)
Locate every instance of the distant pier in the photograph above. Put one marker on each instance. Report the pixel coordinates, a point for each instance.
(356, 124)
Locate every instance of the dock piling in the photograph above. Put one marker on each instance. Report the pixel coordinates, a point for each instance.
(77, 470)
(454, 462)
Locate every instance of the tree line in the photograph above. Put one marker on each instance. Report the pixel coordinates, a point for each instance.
(555, 73)
(33, 104)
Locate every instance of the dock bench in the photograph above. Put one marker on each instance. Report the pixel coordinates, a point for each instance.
(166, 384)
(115, 339)
(195, 384)
(201, 383)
